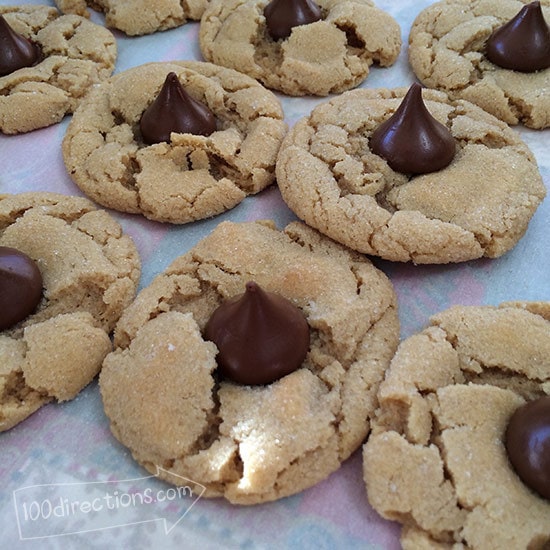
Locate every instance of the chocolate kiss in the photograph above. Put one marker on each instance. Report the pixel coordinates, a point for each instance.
(527, 442)
(261, 336)
(20, 286)
(174, 110)
(16, 51)
(522, 44)
(411, 140)
(282, 15)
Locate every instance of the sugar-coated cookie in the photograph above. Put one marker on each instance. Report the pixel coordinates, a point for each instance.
(436, 459)
(447, 51)
(192, 176)
(329, 55)
(478, 205)
(169, 405)
(72, 55)
(89, 271)
(138, 17)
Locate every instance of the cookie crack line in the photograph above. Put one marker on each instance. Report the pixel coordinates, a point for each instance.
(48, 209)
(211, 432)
(353, 40)
(35, 75)
(455, 498)
(521, 109)
(218, 264)
(486, 368)
(69, 33)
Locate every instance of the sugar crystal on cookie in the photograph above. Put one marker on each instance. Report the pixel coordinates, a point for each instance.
(20, 286)
(16, 51)
(174, 110)
(261, 336)
(412, 140)
(522, 44)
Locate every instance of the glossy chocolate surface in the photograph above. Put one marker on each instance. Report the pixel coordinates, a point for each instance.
(527, 443)
(16, 51)
(20, 286)
(412, 141)
(261, 336)
(174, 110)
(282, 15)
(522, 44)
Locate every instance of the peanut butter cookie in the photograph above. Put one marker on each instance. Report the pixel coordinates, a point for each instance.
(85, 272)
(479, 204)
(330, 54)
(439, 457)
(138, 17)
(448, 50)
(168, 402)
(189, 176)
(60, 58)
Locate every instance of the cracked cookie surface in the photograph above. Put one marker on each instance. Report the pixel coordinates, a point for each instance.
(328, 56)
(76, 54)
(479, 205)
(138, 17)
(193, 176)
(90, 272)
(446, 51)
(251, 444)
(435, 460)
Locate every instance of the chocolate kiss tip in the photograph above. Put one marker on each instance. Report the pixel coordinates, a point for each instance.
(16, 51)
(174, 110)
(412, 141)
(527, 442)
(261, 336)
(522, 44)
(20, 286)
(282, 15)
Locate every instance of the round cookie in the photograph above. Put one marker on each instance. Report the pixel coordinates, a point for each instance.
(328, 56)
(479, 205)
(249, 444)
(75, 55)
(138, 17)
(435, 460)
(90, 271)
(191, 177)
(447, 52)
